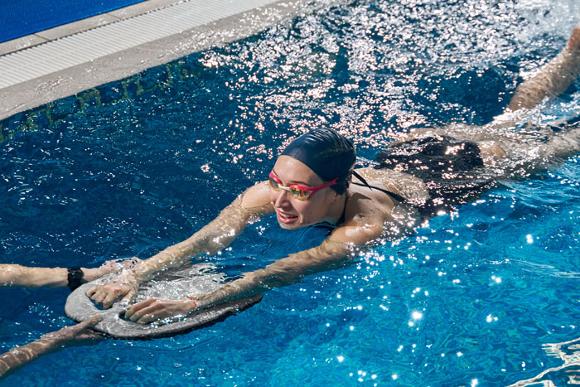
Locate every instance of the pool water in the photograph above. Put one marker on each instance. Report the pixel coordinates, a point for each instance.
(136, 165)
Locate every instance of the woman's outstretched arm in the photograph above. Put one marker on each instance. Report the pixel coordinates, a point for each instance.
(213, 237)
(335, 251)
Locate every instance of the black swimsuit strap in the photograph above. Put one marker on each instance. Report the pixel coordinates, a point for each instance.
(343, 216)
(395, 196)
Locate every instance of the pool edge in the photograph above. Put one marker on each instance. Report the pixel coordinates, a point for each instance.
(71, 80)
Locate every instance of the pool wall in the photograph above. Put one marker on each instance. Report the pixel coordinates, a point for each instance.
(142, 84)
(82, 61)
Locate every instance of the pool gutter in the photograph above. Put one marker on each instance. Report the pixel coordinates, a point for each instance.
(67, 60)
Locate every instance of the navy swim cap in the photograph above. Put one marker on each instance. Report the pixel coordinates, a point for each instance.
(329, 154)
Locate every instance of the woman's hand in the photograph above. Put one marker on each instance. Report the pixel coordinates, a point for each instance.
(124, 287)
(111, 266)
(155, 309)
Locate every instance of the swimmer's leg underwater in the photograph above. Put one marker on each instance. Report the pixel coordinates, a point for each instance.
(550, 81)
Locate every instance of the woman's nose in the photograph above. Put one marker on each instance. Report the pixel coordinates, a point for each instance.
(282, 199)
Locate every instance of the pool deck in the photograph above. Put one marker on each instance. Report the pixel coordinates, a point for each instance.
(63, 61)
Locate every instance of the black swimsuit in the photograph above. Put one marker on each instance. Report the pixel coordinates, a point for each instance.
(448, 167)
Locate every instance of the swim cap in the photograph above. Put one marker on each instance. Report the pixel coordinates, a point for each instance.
(329, 154)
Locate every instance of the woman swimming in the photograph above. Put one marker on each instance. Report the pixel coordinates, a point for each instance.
(420, 174)
(416, 176)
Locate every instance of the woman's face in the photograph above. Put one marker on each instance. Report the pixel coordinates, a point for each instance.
(291, 212)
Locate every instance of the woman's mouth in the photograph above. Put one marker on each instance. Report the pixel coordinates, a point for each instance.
(286, 218)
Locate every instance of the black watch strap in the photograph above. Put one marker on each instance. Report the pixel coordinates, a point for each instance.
(75, 277)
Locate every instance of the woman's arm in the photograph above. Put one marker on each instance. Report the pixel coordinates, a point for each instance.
(333, 252)
(215, 236)
(285, 271)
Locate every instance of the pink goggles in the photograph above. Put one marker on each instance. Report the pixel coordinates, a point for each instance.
(297, 191)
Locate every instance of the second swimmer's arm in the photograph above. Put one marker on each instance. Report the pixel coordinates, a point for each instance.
(18, 275)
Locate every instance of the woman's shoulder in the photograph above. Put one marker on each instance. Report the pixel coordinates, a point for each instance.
(257, 198)
(409, 187)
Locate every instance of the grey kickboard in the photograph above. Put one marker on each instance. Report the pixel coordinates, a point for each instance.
(197, 280)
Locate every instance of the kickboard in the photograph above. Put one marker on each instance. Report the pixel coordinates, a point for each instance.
(197, 280)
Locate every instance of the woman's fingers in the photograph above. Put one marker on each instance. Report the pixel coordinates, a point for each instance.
(109, 299)
(123, 287)
(129, 296)
(96, 294)
(89, 293)
(100, 296)
(148, 318)
(147, 314)
(155, 309)
(135, 312)
(107, 295)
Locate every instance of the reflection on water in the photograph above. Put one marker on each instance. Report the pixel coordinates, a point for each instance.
(131, 167)
(569, 353)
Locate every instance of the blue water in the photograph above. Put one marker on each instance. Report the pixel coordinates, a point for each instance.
(24, 17)
(140, 164)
